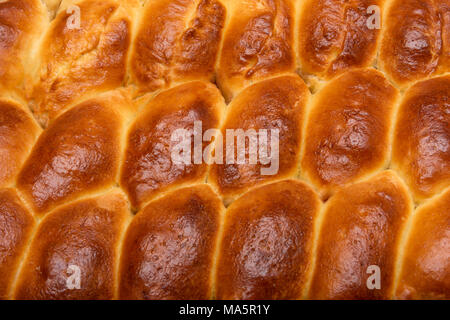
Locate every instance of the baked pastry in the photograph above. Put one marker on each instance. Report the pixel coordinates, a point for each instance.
(335, 36)
(81, 238)
(81, 60)
(273, 104)
(178, 42)
(424, 273)
(348, 134)
(363, 226)
(268, 243)
(148, 167)
(223, 149)
(22, 24)
(258, 43)
(171, 244)
(420, 151)
(416, 40)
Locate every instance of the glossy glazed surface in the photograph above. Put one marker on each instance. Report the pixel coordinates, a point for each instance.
(169, 247)
(16, 226)
(267, 243)
(348, 131)
(258, 43)
(363, 226)
(426, 269)
(416, 41)
(78, 238)
(274, 104)
(421, 148)
(179, 42)
(148, 167)
(224, 149)
(334, 35)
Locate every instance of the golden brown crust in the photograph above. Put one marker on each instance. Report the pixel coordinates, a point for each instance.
(148, 168)
(81, 235)
(267, 246)
(21, 24)
(421, 147)
(16, 226)
(75, 62)
(277, 103)
(132, 102)
(362, 226)
(77, 154)
(18, 133)
(178, 40)
(334, 36)
(169, 247)
(426, 268)
(348, 133)
(258, 43)
(416, 40)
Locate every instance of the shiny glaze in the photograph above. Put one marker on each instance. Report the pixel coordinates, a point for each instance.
(148, 168)
(75, 62)
(277, 103)
(421, 149)
(416, 40)
(426, 269)
(169, 247)
(21, 24)
(334, 36)
(347, 136)
(258, 43)
(83, 234)
(77, 154)
(16, 225)
(18, 132)
(362, 226)
(266, 249)
(178, 40)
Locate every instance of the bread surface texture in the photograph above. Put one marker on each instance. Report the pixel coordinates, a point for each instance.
(224, 149)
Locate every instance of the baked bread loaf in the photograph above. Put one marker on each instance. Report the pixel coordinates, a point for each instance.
(222, 149)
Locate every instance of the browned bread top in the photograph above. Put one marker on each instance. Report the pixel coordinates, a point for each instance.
(198, 149)
(426, 263)
(179, 41)
(416, 40)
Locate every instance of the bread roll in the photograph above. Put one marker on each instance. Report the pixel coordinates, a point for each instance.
(267, 246)
(18, 133)
(149, 168)
(85, 60)
(421, 147)
(177, 40)
(169, 248)
(127, 127)
(335, 36)
(16, 227)
(21, 24)
(258, 43)
(416, 40)
(362, 227)
(274, 104)
(79, 153)
(426, 263)
(348, 130)
(81, 240)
